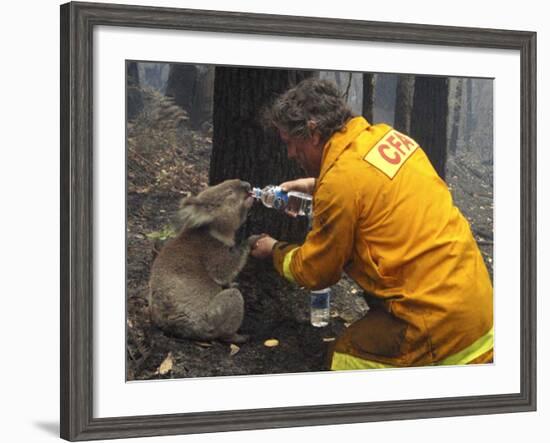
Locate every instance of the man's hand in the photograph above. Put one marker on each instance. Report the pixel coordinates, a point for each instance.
(253, 239)
(262, 247)
(304, 185)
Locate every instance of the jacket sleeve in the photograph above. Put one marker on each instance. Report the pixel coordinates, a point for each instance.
(319, 262)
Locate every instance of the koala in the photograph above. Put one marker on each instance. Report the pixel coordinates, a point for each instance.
(192, 294)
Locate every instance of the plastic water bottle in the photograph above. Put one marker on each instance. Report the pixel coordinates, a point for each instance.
(294, 202)
(320, 307)
(299, 203)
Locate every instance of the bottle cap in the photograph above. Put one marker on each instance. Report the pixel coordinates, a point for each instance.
(321, 291)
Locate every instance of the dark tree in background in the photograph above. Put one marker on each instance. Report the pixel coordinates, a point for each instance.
(429, 119)
(369, 82)
(470, 122)
(204, 96)
(191, 88)
(456, 107)
(181, 84)
(243, 149)
(404, 103)
(134, 99)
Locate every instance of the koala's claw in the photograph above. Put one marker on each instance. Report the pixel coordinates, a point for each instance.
(237, 339)
(231, 285)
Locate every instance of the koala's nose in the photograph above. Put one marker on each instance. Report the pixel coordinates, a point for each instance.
(246, 186)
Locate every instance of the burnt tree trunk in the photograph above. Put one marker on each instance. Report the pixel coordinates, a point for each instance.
(369, 83)
(470, 122)
(191, 88)
(241, 148)
(429, 119)
(181, 84)
(203, 100)
(134, 99)
(404, 103)
(457, 110)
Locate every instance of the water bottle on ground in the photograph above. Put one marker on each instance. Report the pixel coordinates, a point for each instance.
(320, 307)
(297, 203)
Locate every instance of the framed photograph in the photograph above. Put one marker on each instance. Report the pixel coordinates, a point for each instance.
(175, 319)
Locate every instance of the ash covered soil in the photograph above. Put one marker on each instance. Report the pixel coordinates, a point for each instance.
(168, 160)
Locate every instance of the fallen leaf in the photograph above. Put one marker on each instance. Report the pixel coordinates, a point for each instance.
(203, 344)
(354, 291)
(271, 343)
(347, 325)
(329, 339)
(234, 349)
(166, 366)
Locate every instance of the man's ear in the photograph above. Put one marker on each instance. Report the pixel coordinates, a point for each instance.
(315, 135)
(194, 214)
(312, 126)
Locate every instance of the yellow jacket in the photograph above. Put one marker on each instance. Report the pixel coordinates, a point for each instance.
(384, 216)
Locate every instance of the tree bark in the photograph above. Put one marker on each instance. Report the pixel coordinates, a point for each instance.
(404, 103)
(191, 87)
(181, 84)
(469, 125)
(369, 84)
(243, 149)
(429, 119)
(457, 110)
(134, 99)
(203, 96)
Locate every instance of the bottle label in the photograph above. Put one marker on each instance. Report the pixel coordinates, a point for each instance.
(280, 200)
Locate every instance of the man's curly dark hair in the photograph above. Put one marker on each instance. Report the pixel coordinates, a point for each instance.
(311, 104)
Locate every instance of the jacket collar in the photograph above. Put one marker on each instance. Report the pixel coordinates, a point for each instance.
(339, 141)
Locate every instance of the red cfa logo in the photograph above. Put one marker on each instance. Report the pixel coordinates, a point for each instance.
(391, 152)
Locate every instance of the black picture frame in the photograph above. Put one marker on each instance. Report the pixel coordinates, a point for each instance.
(77, 23)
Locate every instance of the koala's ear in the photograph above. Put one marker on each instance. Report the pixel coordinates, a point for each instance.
(193, 214)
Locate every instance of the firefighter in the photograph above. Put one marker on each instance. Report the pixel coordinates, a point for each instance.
(382, 215)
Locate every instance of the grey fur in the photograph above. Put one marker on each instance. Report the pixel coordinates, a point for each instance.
(191, 289)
